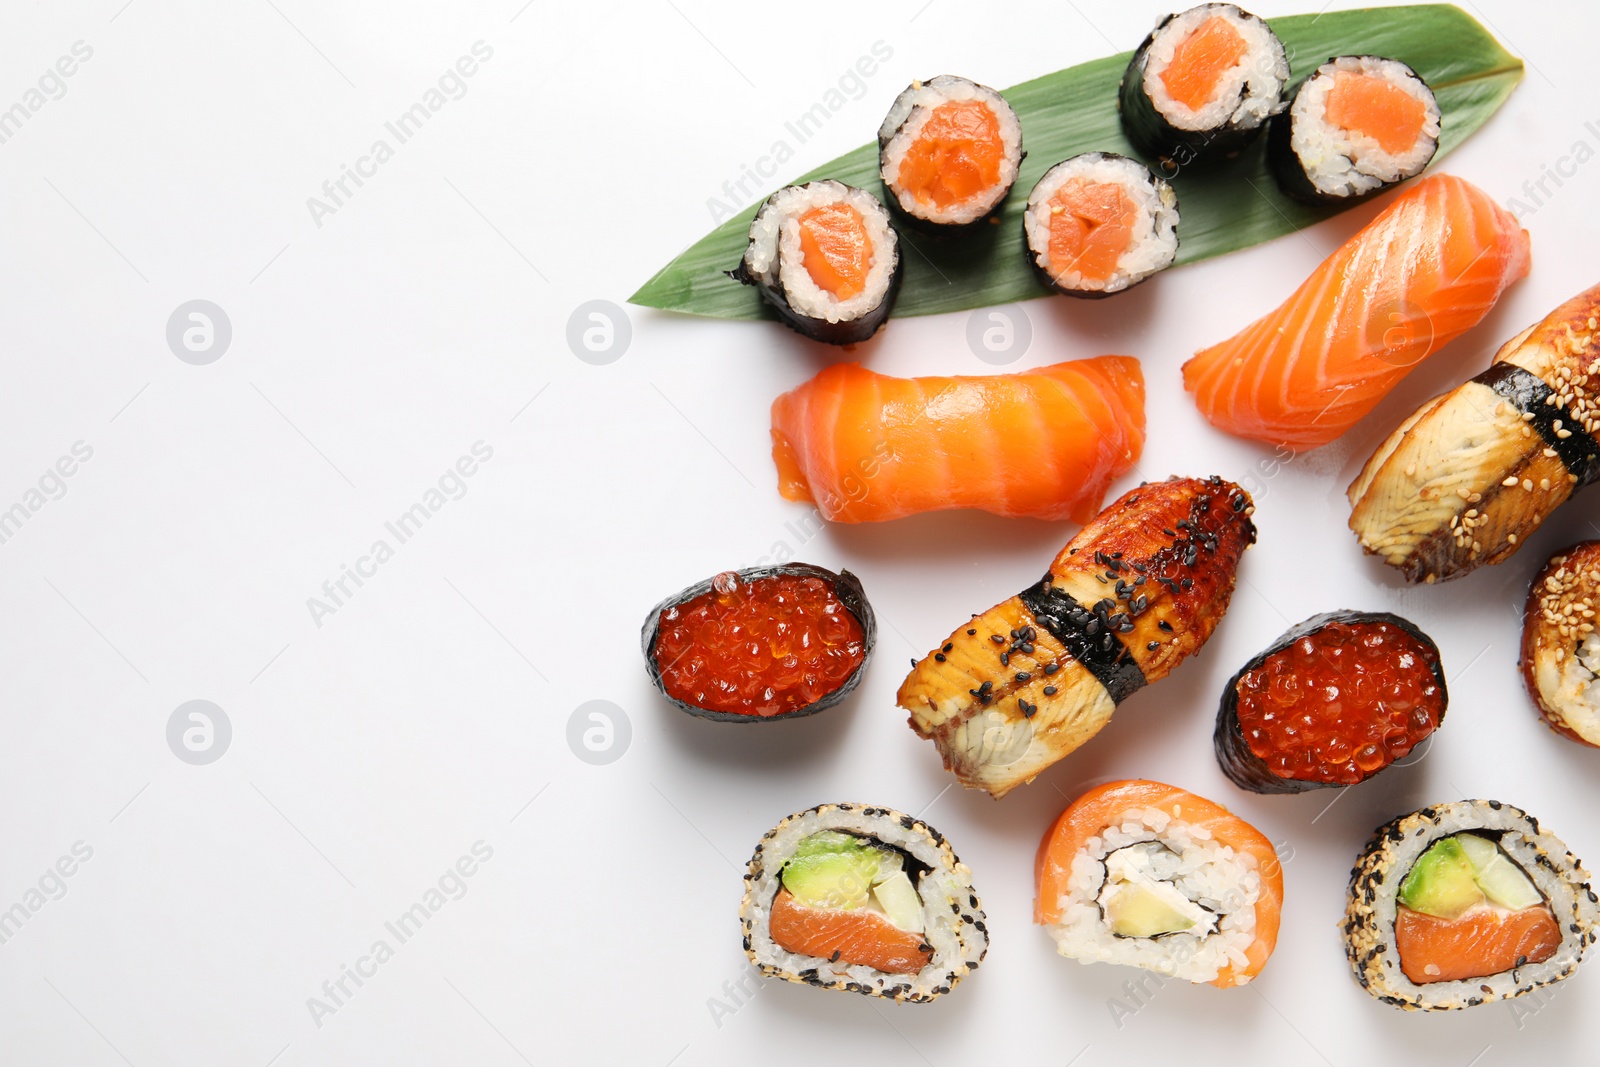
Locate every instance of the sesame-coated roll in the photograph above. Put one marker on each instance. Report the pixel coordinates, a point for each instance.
(862, 899)
(1463, 904)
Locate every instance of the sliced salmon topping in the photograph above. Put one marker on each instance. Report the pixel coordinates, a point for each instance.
(1200, 60)
(956, 156)
(1364, 104)
(1091, 224)
(836, 249)
(1476, 945)
(858, 935)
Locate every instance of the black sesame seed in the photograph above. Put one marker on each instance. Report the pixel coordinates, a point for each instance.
(972, 633)
(1049, 690)
(1152, 646)
(938, 657)
(1051, 668)
(1164, 624)
(948, 647)
(997, 639)
(1023, 676)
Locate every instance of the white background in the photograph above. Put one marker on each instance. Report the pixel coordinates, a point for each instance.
(370, 752)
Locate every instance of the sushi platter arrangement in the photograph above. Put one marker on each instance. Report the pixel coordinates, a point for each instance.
(1461, 903)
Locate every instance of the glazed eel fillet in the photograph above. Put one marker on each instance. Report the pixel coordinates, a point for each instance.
(1135, 592)
(1470, 475)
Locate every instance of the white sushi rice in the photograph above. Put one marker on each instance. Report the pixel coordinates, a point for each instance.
(1246, 95)
(1214, 876)
(904, 124)
(774, 255)
(952, 918)
(1154, 242)
(1342, 162)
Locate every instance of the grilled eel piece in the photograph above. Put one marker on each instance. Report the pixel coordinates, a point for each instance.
(1031, 679)
(1471, 474)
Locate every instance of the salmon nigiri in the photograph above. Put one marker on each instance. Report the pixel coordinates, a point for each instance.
(1423, 272)
(1153, 876)
(1045, 443)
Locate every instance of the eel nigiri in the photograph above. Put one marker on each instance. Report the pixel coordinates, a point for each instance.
(1473, 473)
(1426, 270)
(1045, 443)
(1137, 591)
(1153, 876)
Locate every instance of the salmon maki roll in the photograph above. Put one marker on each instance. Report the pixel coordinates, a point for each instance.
(1019, 687)
(1426, 270)
(948, 153)
(826, 258)
(865, 900)
(1202, 85)
(1464, 904)
(1150, 875)
(1357, 125)
(1099, 223)
(1046, 444)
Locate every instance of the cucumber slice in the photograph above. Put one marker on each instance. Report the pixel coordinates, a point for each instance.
(1498, 875)
(900, 902)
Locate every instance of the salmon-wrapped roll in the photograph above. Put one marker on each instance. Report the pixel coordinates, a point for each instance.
(1153, 876)
(1045, 443)
(1130, 597)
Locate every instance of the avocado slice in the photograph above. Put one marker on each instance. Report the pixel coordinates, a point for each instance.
(832, 879)
(824, 841)
(900, 902)
(1498, 875)
(1441, 882)
(1139, 910)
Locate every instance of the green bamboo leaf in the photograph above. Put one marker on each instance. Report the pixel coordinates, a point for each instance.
(1225, 208)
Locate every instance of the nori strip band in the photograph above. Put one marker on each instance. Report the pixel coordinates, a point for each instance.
(1578, 451)
(846, 586)
(1249, 771)
(1104, 654)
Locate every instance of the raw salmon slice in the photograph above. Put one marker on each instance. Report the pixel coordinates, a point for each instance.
(1475, 945)
(1091, 226)
(858, 935)
(1045, 443)
(1426, 270)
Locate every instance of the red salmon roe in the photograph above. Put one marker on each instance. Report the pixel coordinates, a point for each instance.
(1340, 704)
(758, 648)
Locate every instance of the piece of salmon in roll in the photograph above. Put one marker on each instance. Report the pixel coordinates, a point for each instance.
(1099, 223)
(948, 153)
(1150, 875)
(827, 259)
(1138, 590)
(862, 899)
(1560, 646)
